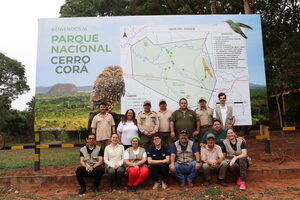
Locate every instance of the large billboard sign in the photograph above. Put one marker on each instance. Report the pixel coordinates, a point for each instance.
(126, 60)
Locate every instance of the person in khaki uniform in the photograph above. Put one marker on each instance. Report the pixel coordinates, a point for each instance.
(103, 125)
(205, 114)
(213, 160)
(224, 113)
(164, 116)
(148, 124)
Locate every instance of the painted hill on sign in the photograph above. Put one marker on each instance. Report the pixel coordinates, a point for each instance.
(63, 88)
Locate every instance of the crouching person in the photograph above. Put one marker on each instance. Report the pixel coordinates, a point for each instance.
(213, 160)
(135, 158)
(91, 160)
(235, 150)
(113, 158)
(158, 159)
(185, 159)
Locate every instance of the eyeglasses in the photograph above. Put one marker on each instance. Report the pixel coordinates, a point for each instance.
(91, 138)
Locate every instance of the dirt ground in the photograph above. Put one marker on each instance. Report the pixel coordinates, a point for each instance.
(285, 154)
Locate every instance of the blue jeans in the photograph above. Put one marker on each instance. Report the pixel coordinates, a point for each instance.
(182, 169)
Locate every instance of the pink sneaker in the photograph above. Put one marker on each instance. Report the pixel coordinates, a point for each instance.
(243, 185)
(238, 181)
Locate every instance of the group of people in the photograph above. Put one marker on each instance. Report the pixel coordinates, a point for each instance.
(159, 143)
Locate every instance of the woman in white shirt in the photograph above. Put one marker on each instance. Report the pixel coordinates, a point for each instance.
(127, 128)
(135, 159)
(113, 158)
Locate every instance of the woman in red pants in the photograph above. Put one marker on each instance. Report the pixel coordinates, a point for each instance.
(135, 159)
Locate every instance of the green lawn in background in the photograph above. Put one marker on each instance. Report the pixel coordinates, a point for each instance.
(12, 160)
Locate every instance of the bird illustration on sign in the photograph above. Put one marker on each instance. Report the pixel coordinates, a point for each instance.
(236, 27)
(109, 87)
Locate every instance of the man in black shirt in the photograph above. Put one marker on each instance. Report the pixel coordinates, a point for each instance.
(91, 160)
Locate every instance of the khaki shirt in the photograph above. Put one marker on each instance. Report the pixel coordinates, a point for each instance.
(103, 125)
(147, 122)
(164, 120)
(211, 155)
(205, 115)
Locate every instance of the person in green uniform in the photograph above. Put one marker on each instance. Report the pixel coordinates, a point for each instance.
(184, 119)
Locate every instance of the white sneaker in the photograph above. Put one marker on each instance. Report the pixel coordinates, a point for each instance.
(164, 185)
(156, 184)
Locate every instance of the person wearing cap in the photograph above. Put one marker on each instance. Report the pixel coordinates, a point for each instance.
(164, 116)
(219, 133)
(135, 158)
(205, 114)
(103, 125)
(185, 159)
(184, 119)
(148, 124)
(213, 160)
(158, 159)
(224, 113)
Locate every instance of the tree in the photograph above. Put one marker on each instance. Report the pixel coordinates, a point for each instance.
(12, 84)
(12, 78)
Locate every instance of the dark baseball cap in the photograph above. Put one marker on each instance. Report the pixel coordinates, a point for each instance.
(183, 132)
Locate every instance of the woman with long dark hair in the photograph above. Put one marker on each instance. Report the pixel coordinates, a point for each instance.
(127, 128)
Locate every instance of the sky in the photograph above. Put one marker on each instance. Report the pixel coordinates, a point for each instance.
(18, 35)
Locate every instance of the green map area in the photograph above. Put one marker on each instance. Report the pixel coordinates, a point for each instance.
(175, 69)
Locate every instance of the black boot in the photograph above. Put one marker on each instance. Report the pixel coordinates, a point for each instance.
(82, 190)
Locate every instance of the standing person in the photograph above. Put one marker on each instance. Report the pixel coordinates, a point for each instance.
(135, 159)
(205, 114)
(91, 160)
(235, 150)
(184, 119)
(219, 133)
(127, 128)
(103, 125)
(224, 113)
(158, 160)
(164, 116)
(113, 158)
(185, 159)
(213, 160)
(148, 124)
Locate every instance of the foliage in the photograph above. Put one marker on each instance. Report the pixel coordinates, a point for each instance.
(281, 25)
(12, 78)
(18, 125)
(75, 8)
(69, 111)
(259, 106)
(12, 84)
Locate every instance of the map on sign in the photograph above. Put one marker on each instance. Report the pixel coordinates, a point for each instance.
(185, 61)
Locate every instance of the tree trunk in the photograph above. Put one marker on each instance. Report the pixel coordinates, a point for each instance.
(213, 7)
(247, 7)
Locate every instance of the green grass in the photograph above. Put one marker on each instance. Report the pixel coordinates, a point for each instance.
(271, 191)
(289, 189)
(28, 196)
(12, 160)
